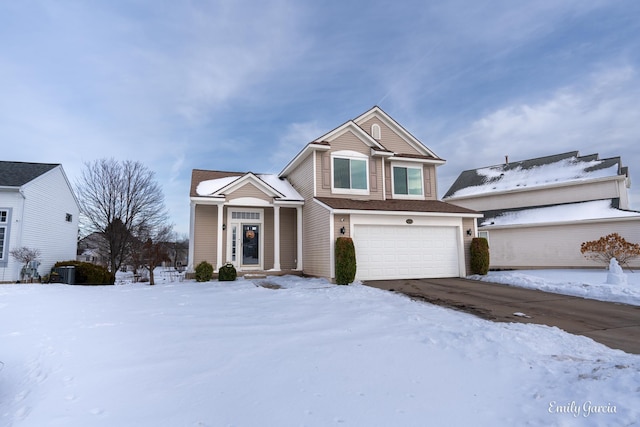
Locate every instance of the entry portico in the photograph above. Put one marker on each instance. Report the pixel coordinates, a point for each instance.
(253, 221)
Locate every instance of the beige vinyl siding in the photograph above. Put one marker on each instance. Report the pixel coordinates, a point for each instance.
(340, 221)
(554, 246)
(288, 238)
(249, 190)
(316, 246)
(390, 140)
(206, 218)
(467, 224)
(301, 178)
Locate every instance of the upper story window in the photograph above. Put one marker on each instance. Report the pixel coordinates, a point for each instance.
(407, 181)
(350, 173)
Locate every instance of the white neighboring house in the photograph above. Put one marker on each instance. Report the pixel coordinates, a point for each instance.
(38, 210)
(537, 212)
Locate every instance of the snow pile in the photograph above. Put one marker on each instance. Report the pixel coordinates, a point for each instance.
(590, 284)
(573, 212)
(497, 178)
(615, 275)
(291, 351)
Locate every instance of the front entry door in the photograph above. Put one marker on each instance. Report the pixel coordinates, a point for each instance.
(251, 245)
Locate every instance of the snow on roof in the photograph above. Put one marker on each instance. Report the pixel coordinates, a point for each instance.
(207, 188)
(282, 186)
(597, 209)
(519, 176)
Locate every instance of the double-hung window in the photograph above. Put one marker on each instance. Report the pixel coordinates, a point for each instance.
(407, 181)
(350, 174)
(4, 233)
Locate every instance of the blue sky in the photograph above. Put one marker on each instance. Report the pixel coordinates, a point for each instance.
(243, 85)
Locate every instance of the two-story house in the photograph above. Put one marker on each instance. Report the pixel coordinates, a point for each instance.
(537, 212)
(368, 179)
(38, 210)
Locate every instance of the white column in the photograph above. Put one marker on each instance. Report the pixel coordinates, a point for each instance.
(219, 232)
(299, 237)
(276, 237)
(192, 235)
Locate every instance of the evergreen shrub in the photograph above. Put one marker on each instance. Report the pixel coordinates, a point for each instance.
(479, 256)
(88, 274)
(345, 261)
(227, 273)
(204, 272)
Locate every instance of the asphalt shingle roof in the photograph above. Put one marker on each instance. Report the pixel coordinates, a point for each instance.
(395, 205)
(16, 174)
(592, 163)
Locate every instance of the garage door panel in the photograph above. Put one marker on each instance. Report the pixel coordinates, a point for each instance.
(403, 252)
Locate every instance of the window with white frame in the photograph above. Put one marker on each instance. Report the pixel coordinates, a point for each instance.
(407, 181)
(350, 174)
(4, 223)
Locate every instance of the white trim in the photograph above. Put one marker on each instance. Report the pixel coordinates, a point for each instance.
(407, 196)
(350, 155)
(309, 148)
(417, 160)
(356, 130)
(276, 238)
(247, 201)
(192, 233)
(299, 238)
(332, 247)
(239, 222)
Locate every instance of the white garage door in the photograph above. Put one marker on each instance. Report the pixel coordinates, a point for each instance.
(405, 252)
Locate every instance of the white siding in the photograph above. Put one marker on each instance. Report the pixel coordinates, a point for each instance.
(48, 200)
(13, 202)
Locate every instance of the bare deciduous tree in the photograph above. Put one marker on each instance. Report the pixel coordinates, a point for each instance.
(150, 251)
(122, 202)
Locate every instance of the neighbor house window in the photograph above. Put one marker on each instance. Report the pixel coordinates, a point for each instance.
(68, 217)
(407, 181)
(350, 175)
(4, 225)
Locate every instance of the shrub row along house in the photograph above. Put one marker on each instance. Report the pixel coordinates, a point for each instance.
(537, 212)
(38, 210)
(368, 179)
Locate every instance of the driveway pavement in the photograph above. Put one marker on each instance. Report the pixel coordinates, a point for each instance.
(615, 325)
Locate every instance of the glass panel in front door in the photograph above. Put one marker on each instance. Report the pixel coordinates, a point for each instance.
(250, 244)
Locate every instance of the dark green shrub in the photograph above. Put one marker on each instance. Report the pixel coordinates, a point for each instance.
(88, 274)
(227, 273)
(479, 256)
(345, 261)
(204, 272)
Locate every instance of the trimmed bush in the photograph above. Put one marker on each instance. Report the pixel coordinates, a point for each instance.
(227, 273)
(345, 261)
(204, 272)
(88, 274)
(479, 256)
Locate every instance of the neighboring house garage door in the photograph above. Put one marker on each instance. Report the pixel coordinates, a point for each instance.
(401, 252)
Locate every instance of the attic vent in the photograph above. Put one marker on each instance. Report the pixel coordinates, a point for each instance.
(376, 133)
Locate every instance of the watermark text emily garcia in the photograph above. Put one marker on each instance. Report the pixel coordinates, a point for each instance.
(583, 409)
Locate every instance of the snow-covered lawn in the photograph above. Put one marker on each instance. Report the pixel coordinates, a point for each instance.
(585, 283)
(307, 354)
